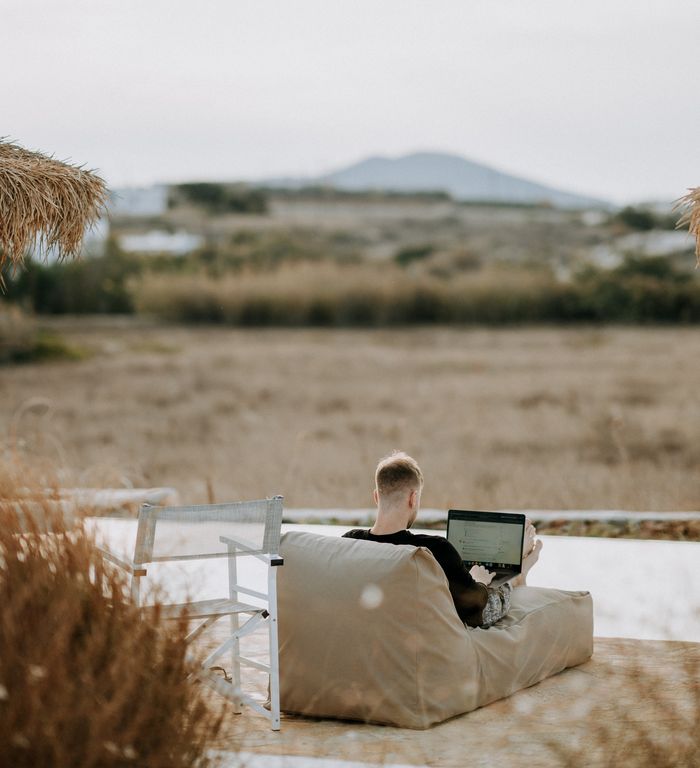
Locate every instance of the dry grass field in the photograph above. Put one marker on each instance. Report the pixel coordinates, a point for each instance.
(532, 418)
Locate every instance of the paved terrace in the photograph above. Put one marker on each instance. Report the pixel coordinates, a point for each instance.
(635, 703)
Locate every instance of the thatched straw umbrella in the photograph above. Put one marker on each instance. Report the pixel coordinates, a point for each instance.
(44, 203)
(691, 216)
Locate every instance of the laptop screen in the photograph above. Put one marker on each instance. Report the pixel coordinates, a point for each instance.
(494, 539)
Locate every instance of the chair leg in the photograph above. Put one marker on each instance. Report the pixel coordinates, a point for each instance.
(136, 590)
(235, 664)
(274, 650)
(235, 625)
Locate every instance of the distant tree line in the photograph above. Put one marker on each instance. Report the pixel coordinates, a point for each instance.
(271, 279)
(219, 198)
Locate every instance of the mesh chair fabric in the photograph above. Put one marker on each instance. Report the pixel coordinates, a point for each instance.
(203, 531)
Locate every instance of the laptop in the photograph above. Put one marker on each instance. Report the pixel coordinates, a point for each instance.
(491, 539)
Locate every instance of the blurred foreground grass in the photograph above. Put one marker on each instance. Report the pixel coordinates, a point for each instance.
(85, 678)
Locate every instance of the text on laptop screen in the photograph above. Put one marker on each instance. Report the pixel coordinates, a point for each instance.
(487, 542)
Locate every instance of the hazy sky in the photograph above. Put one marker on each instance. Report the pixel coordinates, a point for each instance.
(599, 96)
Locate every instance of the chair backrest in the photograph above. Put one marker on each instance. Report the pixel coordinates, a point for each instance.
(203, 531)
(369, 631)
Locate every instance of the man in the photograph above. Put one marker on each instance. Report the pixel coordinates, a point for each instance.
(398, 486)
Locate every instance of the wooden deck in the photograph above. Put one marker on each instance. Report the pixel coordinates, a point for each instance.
(635, 703)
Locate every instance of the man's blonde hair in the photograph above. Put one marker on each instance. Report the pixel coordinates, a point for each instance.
(397, 472)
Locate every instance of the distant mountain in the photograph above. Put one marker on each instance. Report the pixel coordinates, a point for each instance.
(433, 171)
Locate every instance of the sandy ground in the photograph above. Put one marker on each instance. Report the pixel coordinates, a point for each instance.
(531, 418)
(635, 703)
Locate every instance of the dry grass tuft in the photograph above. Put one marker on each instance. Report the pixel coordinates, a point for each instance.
(44, 203)
(631, 728)
(691, 216)
(84, 679)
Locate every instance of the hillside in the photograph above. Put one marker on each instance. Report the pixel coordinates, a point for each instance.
(463, 179)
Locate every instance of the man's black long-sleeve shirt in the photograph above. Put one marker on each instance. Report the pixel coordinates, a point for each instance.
(469, 596)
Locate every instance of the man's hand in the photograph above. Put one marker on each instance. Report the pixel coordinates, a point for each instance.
(528, 562)
(481, 574)
(529, 537)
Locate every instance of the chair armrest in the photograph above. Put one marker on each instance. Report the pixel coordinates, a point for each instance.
(243, 548)
(126, 565)
(241, 545)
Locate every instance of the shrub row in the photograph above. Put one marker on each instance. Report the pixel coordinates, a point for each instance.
(329, 295)
(332, 293)
(87, 286)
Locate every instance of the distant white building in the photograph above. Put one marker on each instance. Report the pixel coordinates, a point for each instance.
(138, 201)
(653, 243)
(157, 241)
(593, 218)
(96, 237)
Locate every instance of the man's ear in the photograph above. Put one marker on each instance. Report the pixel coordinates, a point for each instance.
(375, 496)
(413, 500)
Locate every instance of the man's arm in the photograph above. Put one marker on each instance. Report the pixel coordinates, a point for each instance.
(477, 604)
(470, 596)
(497, 605)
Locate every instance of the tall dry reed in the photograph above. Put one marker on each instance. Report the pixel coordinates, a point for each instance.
(85, 680)
(329, 294)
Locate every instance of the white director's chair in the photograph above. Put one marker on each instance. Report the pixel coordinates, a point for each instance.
(233, 531)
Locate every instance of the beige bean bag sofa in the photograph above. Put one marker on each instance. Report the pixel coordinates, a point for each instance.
(368, 632)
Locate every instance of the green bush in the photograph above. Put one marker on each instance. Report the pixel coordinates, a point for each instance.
(96, 285)
(221, 198)
(410, 254)
(639, 291)
(657, 267)
(643, 219)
